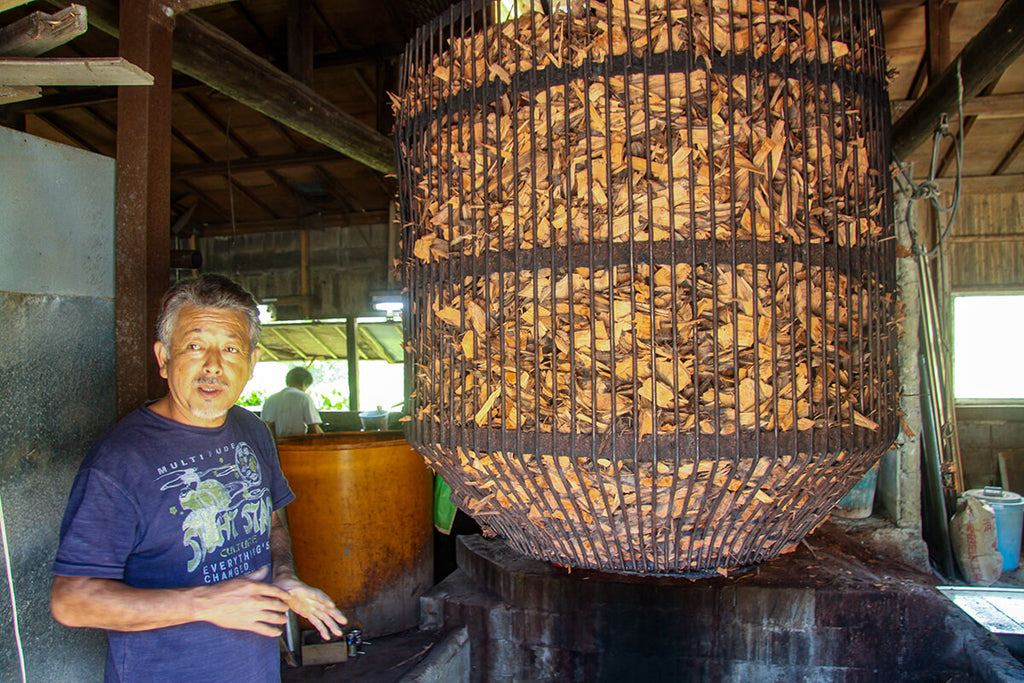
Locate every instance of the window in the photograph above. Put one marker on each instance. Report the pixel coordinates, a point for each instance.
(988, 347)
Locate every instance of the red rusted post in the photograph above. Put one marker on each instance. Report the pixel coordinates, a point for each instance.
(142, 212)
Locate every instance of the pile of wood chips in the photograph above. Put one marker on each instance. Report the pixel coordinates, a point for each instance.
(647, 517)
(505, 159)
(657, 155)
(648, 350)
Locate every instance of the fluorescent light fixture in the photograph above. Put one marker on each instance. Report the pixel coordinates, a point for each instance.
(389, 307)
(387, 302)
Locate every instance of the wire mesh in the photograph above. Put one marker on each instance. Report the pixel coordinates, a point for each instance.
(650, 268)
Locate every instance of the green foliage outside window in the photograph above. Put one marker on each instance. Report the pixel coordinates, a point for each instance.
(252, 400)
(334, 401)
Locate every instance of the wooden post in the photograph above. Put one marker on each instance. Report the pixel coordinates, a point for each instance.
(142, 210)
(300, 67)
(352, 352)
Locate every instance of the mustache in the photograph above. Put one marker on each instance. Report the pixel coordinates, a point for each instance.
(212, 381)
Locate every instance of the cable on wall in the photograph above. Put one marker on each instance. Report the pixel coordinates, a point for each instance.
(10, 588)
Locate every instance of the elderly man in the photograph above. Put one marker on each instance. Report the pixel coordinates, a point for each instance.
(171, 540)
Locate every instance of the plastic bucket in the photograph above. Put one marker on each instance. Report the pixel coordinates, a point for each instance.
(860, 501)
(1009, 509)
(374, 420)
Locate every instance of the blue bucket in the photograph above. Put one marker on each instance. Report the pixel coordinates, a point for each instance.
(860, 501)
(1009, 509)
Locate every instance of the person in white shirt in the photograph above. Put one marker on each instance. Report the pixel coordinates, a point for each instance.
(291, 410)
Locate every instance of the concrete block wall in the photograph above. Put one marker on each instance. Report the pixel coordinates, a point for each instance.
(985, 431)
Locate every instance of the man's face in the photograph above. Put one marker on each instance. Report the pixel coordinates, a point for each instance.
(207, 365)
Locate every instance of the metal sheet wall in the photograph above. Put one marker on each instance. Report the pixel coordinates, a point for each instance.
(56, 379)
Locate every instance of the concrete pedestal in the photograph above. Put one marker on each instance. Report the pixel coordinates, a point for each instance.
(831, 611)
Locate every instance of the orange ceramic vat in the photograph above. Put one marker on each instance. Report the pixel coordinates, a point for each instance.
(362, 524)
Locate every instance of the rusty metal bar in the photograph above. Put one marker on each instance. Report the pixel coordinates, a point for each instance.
(142, 211)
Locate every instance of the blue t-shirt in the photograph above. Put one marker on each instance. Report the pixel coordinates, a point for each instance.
(160, 504)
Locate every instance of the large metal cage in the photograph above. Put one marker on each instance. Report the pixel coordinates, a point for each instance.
(649, 253)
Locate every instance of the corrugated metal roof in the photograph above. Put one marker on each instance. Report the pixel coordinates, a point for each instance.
(328, 340)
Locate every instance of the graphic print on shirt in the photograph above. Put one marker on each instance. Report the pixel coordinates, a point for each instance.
(227, 513)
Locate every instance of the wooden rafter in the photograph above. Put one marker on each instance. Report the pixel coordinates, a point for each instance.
(212, 57)
(269, 351)
(245, 148)
(318, 340)
(53, 122)
(1010, 155)
(257, 164)
(329, 220)
(990, 184)
(269, 329)
(375, 343)
(264, 39)
(40, 32)
(988, 53)
(1003, 106)
(959, 139)
(93, 96)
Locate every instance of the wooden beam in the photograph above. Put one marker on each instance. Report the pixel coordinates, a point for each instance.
(92, 71)
(318, 340)
(8, 4)
(300, 41)
(1005, 106)
(218, 124)
(989, 238)
(94, 95)
(40, 32)
(375, 343)
(257, 164)
(18, 93)
(52, 122)
(284, 340)
(214, 58)
(988, 184)
(958, 139)
(182, 6)
(988, 53)
(330, 220)
(1010, 155)
(937, 15)
(218, 60)
(909, 4)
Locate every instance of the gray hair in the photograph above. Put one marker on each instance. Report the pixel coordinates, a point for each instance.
(207, 291)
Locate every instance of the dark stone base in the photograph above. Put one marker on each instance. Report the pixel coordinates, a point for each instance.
(831, 611)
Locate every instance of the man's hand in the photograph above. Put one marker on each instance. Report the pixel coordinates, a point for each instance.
(313, 604)
(246, 604)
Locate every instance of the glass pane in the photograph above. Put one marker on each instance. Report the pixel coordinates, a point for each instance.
(987, 336)
(329, 390)
(381, 384)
